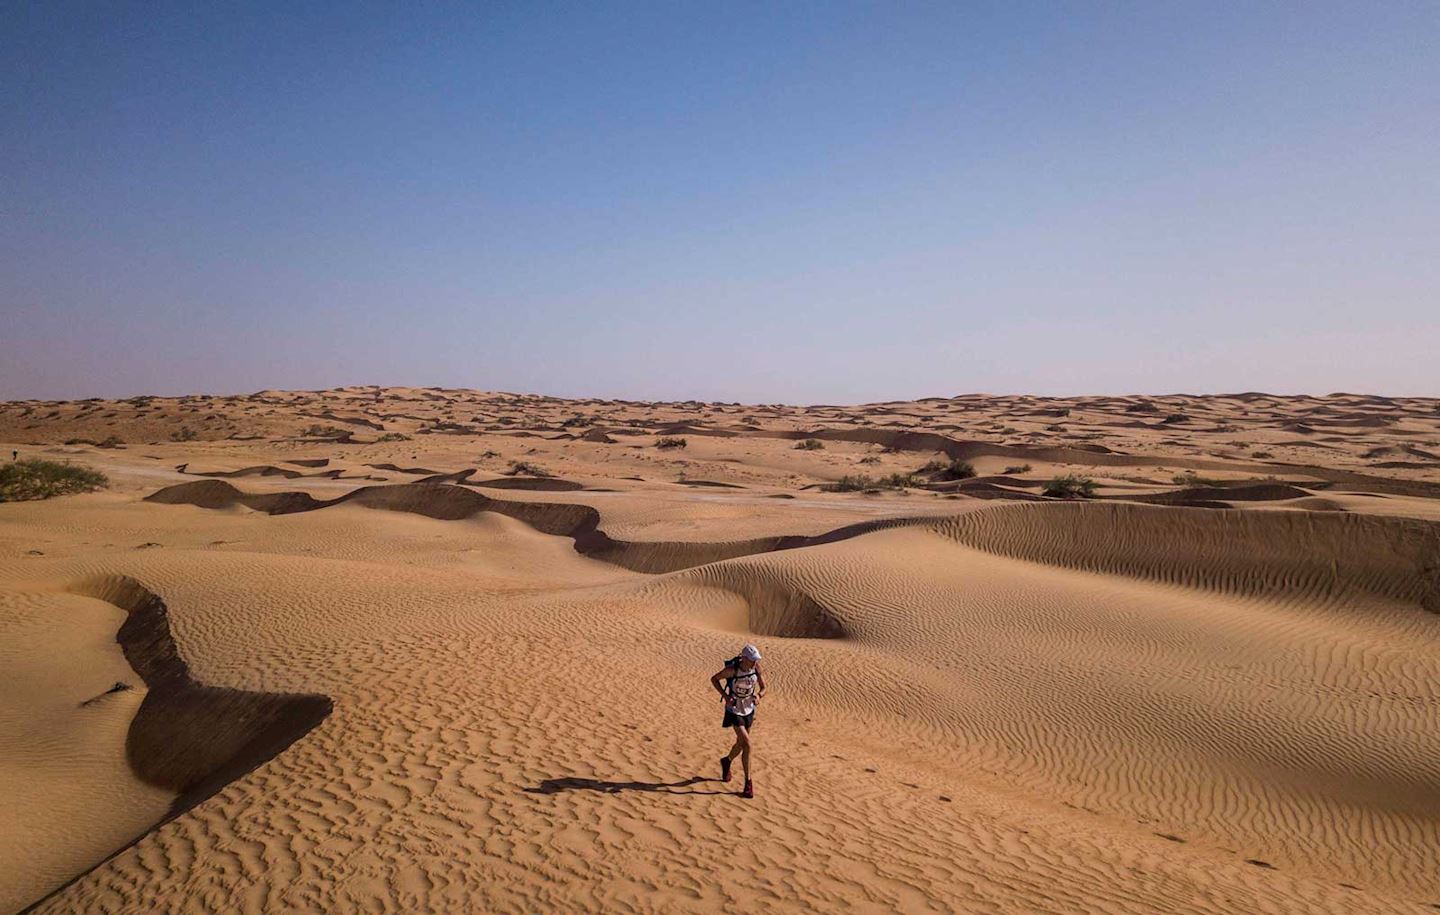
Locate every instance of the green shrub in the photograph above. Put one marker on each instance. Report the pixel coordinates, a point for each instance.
(183, 434)
(1070, 487)
(22, 481)
(897, 481)
(666, 442)
(393, 437)
(863, 483)
(870, 459)
(959, 470)
(1018, 468)
(810, 444)
(319, 431)
(948, 470)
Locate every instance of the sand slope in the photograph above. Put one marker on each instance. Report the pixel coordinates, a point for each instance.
(979, 705)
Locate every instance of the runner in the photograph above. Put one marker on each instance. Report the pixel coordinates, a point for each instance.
(742, 687)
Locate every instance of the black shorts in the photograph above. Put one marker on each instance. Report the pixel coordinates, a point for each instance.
(732, 719)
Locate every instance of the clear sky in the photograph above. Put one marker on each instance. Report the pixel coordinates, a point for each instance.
(798, 202)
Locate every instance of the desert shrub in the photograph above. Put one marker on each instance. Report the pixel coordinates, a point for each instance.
(959, 470)
(183, 434)
(393, 437)
(319, 431)
(489, 454)
(21, 481)
(870, 459)
(948, 470)
(1070, 487)
(897, 481)
(1018, 468)
(810, 444)
(666, 442)
(574, 421)
(81, 441)
(863, 483)
(1261, 454)
(525, 468)
(113, 441)
(1191, 478)
(1176, 418)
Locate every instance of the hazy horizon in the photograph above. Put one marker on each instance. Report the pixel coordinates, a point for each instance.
(581, 395)
(812, 204)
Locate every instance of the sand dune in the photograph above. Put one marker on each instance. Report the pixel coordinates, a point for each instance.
(444, 696)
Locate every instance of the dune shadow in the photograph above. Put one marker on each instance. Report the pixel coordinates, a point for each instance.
(187, 737)
(573, 783)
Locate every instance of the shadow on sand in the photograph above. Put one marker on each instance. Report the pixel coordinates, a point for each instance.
(556, 785)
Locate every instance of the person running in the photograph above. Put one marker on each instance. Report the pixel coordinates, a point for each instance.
(742, 687)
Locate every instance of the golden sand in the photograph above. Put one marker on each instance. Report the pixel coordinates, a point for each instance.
(1213, 687)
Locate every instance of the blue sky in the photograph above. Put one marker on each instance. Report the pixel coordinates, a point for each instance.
(822, 202)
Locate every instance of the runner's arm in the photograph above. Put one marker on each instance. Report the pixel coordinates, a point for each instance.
(715, 681)
(759, 681)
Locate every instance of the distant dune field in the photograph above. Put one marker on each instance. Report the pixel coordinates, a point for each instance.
(415, 650)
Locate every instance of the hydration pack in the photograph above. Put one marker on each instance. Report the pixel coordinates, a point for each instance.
(733, 665)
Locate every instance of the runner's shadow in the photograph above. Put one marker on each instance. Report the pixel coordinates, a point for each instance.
(556, 785)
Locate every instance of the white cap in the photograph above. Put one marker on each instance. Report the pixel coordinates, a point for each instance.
(750, 653)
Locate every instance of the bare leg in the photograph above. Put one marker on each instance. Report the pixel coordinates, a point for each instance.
(742, 743)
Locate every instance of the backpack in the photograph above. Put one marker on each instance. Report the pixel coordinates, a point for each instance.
(734, 664)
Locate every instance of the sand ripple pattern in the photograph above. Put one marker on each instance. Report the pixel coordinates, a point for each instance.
(990, 714)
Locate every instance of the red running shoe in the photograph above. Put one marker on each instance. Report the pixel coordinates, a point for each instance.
(725, 768)
(749, 789)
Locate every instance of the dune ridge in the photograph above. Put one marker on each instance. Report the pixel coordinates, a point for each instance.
(446, 502)
(186, 737)
(1297, 555)
(1312, 554)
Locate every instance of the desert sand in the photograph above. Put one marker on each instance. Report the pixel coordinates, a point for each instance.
(410, 650)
